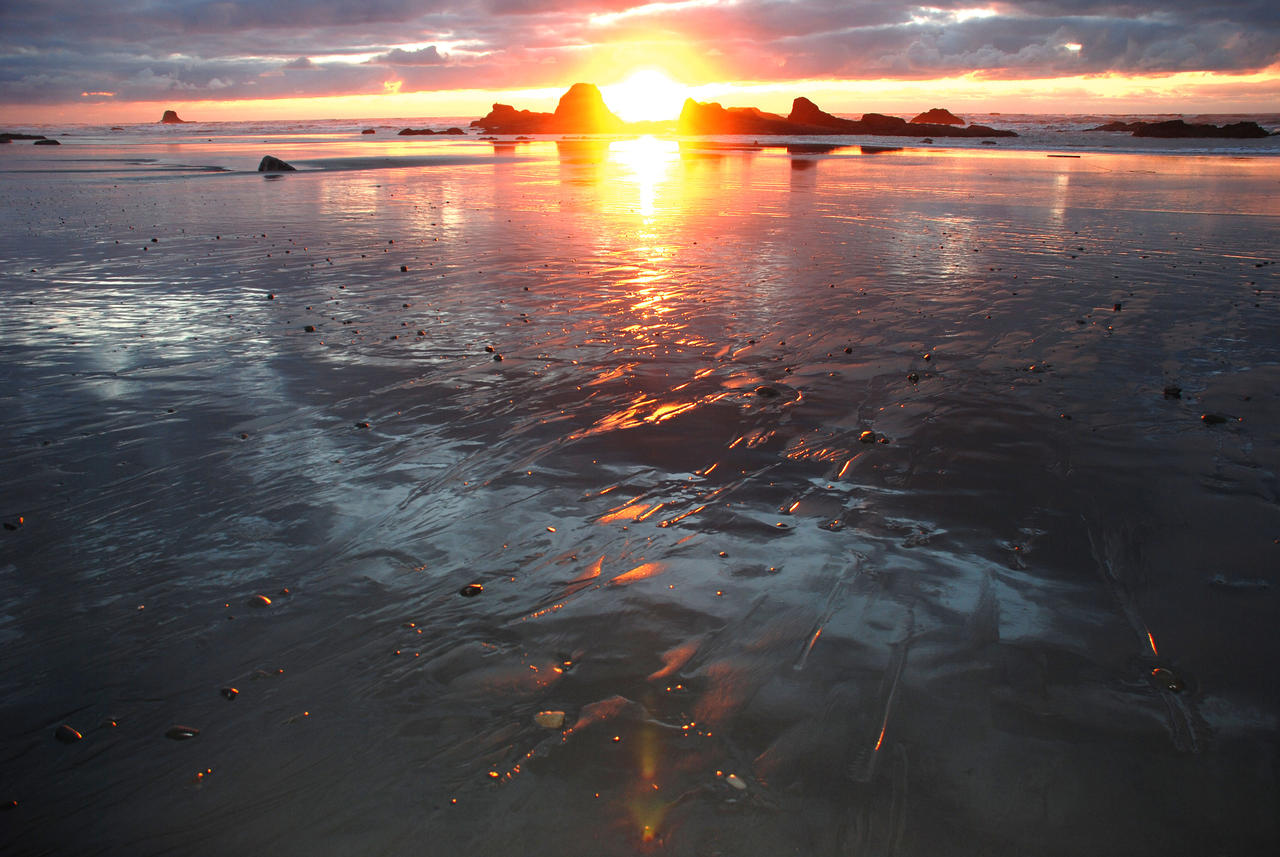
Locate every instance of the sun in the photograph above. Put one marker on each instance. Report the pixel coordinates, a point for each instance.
(647, 94)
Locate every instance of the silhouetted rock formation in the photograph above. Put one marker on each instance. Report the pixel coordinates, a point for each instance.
(937, 116)
(581, 110)
(808, 120)
(1178, 128)
(1118, 126)
(170, 117)
(272, 164)
(10, 136)
(46, 142)
(427, 132)
(368, 131)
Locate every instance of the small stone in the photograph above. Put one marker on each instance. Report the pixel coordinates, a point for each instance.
(767, 392)
(549, 719)
(259, 601)
(229, 693)
(1167, 679)
(310, 328)
(271, 296)
(867, 436)
(736, 781)
(362, 425)
(271, 164)
(404, 268)
(497, 358)
(181, 733)
(66, 734)
(471, 590)
(913, 377)
(1173, 392)
(1117, 307)
(1213, 419)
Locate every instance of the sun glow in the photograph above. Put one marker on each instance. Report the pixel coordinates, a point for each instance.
(647, 94)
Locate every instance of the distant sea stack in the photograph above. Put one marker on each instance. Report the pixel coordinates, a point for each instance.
(1178, 128)
(170, 117)
(581, 110)
(807, 119)
(938, 116)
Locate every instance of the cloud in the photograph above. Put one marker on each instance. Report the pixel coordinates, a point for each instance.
(54, 50)
(425, 56)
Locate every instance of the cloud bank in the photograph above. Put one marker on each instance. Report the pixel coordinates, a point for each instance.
(64, 51)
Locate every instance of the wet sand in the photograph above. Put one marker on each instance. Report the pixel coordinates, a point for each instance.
(1033, 612)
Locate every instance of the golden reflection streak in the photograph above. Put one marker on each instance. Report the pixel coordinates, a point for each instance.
(648, 161)
(640, 572)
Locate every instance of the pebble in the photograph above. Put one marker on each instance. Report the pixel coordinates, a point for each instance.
(549, 719)
(913, 377)
(736, 781)
(767, 392)
(1167, 679)
(310, 328)
(66, 734)
(181, 733)
(229, 693)
(1173, 392)
(471, 590)
(867, 436)
(259, 601)
(1212, 419)
(362, 425)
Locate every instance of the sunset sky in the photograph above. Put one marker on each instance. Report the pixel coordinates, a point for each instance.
(126, 60)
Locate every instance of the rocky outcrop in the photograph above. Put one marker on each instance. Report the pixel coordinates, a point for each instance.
(1177, 128)
(46, 142)
(272, 164)
(1118, 126)
(711, 118)
(170, 117)
(581, 110)
(427, 132)
(10, 136)
(807, 119)
(369, 131)
(937, 116)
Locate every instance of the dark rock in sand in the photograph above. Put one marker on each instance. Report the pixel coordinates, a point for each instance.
(1176, 128)
(181, 733)
(471, 590)
(170, 117)
(1212, 419)
(259, 601)
(66, 734)
(229, 693)
(272, 164)
(368, 131)
(1173, 392)
(10, 136)
(938, 116)
(46, 143)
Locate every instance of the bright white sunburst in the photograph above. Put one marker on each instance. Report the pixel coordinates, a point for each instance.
(646, 94)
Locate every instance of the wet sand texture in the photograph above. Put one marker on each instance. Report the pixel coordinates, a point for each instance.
(1036, 616)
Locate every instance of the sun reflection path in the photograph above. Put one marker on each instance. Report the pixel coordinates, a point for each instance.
(648, 161)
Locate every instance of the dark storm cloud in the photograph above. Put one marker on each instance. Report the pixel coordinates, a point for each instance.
(52, 51)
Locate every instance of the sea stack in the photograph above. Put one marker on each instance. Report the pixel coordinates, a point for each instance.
(938, 116)
(170, 117)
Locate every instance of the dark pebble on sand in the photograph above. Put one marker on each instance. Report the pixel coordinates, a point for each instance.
(66, 734)
(1172, 392)
(362, 425)
(259, 601)
(497, 358)
(1212, 419)
(913, 377)
(471, 590)
(181, 733)
(310, 328)
(767, 392)
(1117, 308)
(867, 436)
(271, 296)
(229, 693)
(1167, 679)
(404, 268)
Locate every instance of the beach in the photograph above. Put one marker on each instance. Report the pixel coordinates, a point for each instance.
(906, 502)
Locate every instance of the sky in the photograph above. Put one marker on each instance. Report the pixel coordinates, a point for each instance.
(128, 60)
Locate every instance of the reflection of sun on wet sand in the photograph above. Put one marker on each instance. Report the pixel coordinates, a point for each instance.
(841, 509)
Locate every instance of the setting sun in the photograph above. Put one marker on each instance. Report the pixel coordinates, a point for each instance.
(646, 95)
